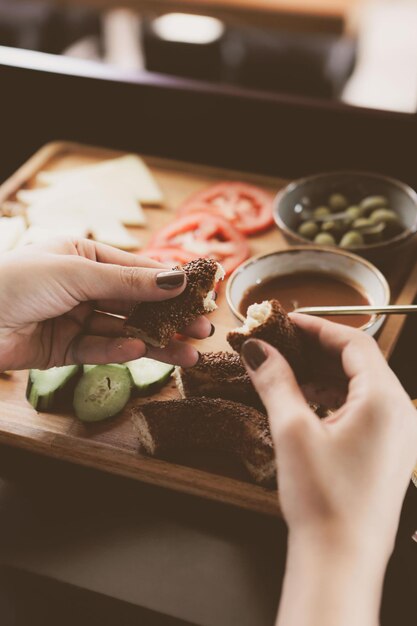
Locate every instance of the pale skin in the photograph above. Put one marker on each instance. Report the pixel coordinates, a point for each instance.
(342, 480)
(65, 303)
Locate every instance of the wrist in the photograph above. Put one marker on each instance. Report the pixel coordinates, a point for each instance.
(332, 579)
(339, 553)
(343, 542)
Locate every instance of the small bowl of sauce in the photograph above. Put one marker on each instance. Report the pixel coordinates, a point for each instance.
(305, 276)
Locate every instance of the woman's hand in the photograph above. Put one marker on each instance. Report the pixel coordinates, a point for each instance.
(342, 480)
(64, 303)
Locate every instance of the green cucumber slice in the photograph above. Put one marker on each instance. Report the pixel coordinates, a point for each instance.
(43, 385)
(149, 375)
(87, 368)
(102, 391)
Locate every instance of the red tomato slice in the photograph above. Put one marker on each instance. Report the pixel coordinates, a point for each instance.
(245, 206)
(207, 236)
(173, 256)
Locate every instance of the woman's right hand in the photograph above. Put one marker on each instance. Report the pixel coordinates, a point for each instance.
(357, 463)
(342, 479)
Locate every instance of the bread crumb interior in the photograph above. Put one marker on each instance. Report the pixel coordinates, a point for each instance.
(255, 316)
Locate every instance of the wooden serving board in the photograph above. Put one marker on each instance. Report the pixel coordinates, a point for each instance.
(112, 446)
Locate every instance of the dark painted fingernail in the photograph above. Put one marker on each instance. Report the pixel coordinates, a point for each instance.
(253, 353)
(215, 296)
(170, 280)
(212, 331)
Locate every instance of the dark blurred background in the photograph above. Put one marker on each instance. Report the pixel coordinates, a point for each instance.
(363, 52)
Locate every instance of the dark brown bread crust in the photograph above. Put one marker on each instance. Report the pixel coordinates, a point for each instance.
(208, 424)
(223, 375)
(156, 322)
(218, 375)
(279, 331)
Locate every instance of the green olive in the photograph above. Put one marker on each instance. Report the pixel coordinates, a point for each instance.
(363, 222)
(386, 216)
(334, 227)
(353, 212)
(373, 202)
(321, 211)
(328, 227)
(351, 239)
(338, 202)
(308, 230)
(325, 239)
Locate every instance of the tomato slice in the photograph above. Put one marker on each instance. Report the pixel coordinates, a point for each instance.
(245, 206)
(205, 235)
(173, 256)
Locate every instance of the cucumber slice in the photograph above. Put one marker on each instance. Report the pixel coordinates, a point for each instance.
(44, 386)
(102, 391)
(149, 375)
(87, 368)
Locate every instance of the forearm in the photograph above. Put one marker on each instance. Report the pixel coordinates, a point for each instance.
(331, 586)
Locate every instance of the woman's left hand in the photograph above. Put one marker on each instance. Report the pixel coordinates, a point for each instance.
(64, 303)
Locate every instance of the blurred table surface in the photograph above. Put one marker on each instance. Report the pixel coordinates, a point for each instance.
(195, 561)
(331, 16)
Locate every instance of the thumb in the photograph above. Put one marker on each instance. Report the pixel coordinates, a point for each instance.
(105, 281)
(276, 384)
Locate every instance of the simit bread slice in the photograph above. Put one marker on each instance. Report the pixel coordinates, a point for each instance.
(269, 321)
(218, 375)
(207, 424)
(156, 322)
(223, 375)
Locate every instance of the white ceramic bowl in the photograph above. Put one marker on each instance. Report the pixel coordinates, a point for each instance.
(354, 269)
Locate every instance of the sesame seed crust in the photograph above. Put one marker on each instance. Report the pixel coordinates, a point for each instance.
(209, 424)
(157, 322)
(218, 375)
(221, 365)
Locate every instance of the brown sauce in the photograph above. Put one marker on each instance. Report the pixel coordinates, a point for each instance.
(308, 289)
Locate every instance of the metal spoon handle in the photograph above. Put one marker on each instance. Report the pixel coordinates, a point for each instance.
(392, 309)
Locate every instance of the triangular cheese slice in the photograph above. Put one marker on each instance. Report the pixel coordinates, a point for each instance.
(114, 234)
(82, 199)
(41, 234)
(127, 173)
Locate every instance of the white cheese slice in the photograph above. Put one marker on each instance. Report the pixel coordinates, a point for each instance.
(101, 227)
(83, 198)
(29, 196)
(11, 229)
(41, 234)
(39, 216)
(114, 234)
(127, 173)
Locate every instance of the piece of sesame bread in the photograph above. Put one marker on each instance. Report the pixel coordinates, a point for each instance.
(207, 424)
(269, 321)
(156, 322)
(218, 375)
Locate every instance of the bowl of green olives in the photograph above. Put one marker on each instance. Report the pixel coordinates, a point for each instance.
(369, 214)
